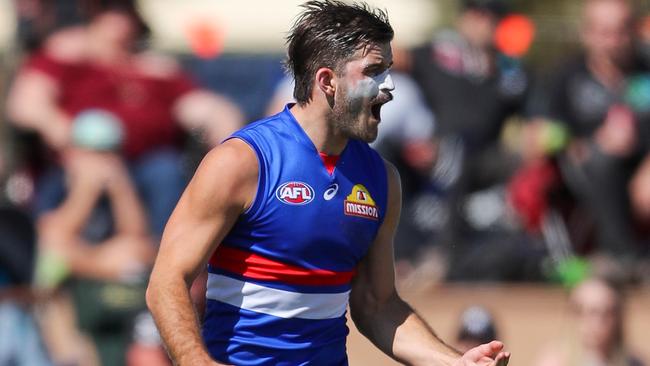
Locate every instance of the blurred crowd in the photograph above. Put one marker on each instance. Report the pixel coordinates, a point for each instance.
(510, 171)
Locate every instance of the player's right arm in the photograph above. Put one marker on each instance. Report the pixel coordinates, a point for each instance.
(222, 188)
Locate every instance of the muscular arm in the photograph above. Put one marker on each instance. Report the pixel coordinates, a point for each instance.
(379, 312)
(389, 322)
(222, 188)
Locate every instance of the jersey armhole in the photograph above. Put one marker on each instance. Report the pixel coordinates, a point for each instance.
(258, 200)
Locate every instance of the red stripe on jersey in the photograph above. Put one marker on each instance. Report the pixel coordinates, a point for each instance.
(257, 267)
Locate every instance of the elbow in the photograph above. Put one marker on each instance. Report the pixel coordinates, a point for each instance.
(162, 285)
(366, 306)
(363, 308)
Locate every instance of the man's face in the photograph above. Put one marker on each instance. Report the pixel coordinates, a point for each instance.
(114, 27)
(478, 27)
(608, 30)
(363, 86)
(597, 310)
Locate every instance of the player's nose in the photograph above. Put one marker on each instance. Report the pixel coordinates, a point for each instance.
(387, 84)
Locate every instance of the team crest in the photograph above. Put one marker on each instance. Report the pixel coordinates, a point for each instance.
(359, 203)
(295, 193)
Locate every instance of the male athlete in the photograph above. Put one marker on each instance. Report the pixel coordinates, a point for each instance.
(294, 215)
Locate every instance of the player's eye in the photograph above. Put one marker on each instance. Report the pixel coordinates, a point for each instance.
(374, 71)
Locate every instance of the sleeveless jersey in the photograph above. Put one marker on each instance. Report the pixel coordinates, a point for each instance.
(279, 282)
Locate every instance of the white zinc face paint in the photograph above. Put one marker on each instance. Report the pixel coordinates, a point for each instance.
(370, 86)
(385, 81)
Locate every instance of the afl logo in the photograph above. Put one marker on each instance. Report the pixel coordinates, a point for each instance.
(295, 193)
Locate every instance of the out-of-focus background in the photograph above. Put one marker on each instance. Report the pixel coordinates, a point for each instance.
(521, 131)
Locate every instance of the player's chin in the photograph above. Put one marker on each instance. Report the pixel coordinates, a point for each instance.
(369, 133)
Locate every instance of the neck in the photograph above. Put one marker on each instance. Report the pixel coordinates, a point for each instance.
(606, 71)
(314, 120)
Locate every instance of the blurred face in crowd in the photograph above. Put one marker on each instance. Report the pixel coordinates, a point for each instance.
(113, 27)
(363, 86)
(598, 310)
(478, 27)
(608, 30)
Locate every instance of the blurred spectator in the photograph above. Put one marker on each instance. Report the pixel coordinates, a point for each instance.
(602, 99)
(472, 89)
(20, 339)
(99, 65)
(108, 275)
(469, 85)
(476, 327)
(597, 306)
(64, 230)
(38, 18)
(112, 114)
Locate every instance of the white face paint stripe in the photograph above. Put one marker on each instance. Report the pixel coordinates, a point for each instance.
(385, 81)
(365, 88)
(276, 302)
(370, 86)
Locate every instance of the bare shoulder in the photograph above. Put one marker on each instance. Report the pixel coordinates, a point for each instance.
(230, 171)
(391, 170)
(394, 180)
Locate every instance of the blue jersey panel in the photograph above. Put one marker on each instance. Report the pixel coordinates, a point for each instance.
(299, 245)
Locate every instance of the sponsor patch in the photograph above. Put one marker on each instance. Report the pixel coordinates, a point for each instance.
(295, 193)
(359, 203)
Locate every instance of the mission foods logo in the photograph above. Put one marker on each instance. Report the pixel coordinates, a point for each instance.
(295, 193)
(360, 204)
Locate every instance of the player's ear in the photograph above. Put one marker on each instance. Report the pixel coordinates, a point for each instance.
(326, 81)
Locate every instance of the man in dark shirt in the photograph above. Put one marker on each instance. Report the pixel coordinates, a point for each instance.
(602, 98)
(472, 90)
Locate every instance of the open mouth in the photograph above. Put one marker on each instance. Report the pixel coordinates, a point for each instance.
(375, 108)
(376, 111)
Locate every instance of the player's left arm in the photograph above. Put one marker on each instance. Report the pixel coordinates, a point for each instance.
(376, 308)
(389, 322)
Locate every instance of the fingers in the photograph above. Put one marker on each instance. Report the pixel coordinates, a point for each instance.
(490, 349)
(485, 350)
(502, 359)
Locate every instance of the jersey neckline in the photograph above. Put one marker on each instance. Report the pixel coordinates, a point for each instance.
(303, 138)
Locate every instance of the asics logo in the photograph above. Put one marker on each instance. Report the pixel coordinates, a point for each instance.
(330, 192)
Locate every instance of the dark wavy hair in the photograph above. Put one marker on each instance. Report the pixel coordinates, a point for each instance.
(327, 34)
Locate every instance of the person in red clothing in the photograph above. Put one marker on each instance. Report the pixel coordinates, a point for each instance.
(95, 99)
(96, 66)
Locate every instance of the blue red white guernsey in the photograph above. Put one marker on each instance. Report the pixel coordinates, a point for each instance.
(278, 284)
